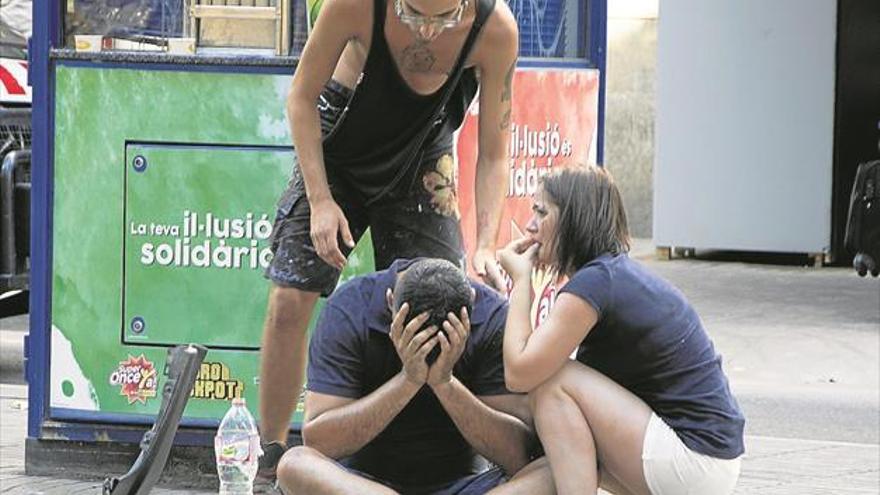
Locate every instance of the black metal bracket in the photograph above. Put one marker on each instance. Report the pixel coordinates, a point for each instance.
(13, 269)
(181, 368)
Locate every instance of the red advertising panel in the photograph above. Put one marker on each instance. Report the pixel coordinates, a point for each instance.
(553, 125)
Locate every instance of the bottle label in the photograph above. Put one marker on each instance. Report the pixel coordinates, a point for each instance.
(242, 449)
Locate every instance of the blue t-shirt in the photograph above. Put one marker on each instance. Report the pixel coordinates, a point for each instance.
(351, 355)
(650, 340)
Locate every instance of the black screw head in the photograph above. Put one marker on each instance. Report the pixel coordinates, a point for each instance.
(138, 325)
(139, 163)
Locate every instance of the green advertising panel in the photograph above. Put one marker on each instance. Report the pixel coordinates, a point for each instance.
(193, 259)
(164, 191)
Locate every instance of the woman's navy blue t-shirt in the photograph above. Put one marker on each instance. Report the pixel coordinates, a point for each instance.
(650, 340)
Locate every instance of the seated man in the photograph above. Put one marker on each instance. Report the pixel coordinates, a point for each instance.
(382, 416)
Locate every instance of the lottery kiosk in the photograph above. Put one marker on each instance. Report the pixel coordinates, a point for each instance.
(160, 145)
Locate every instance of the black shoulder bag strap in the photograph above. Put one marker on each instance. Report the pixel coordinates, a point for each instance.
(484, 9)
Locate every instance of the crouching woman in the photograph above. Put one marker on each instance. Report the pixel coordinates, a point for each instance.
(645, 408)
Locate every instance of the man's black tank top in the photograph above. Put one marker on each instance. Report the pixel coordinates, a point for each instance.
(379, 135)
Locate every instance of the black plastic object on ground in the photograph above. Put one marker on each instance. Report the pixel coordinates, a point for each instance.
(181, 368)
(15, 194)
(863, 223)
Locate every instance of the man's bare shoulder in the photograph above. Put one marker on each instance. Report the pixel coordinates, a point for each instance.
(497, 44)
(500, 27)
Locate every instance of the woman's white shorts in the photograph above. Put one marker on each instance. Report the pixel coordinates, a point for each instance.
(671, 468)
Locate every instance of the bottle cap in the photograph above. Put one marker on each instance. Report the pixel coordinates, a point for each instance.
(238, 401)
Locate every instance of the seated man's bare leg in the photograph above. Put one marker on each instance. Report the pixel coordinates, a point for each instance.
(283, 359)
(304, 470)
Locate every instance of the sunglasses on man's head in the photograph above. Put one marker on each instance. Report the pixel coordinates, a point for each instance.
(411, 17)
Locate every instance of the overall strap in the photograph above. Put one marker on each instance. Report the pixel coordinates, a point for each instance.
(484, 10)
(379, 8)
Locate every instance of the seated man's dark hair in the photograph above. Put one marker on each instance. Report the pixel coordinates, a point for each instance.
(436, 286)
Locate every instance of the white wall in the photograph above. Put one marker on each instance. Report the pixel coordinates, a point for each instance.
(629, 100)
(633, 9)
(744, 128)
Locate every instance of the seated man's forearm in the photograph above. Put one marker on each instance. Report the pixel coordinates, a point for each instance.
(345, 430)
(496, 435)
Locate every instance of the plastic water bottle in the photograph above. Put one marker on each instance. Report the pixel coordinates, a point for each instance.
(237, 448)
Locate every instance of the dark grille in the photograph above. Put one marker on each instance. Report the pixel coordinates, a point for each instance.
(15, 130)
(14, 137)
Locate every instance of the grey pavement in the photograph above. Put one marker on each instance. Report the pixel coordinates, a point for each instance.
(781, 466)
(801, 346)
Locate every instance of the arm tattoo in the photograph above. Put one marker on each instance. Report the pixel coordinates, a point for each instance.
(505, 119)
(482, 221)
(508, 79)
(506, 94)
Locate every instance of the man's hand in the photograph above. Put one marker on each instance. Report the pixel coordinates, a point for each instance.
(458, 329)
(487, 268)
(327, 222)
(518, 258)
(413, 344)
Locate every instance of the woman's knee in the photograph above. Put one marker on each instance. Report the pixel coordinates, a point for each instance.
(564, 385)
(551, 391)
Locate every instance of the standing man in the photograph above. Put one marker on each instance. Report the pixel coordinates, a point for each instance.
(378, 92)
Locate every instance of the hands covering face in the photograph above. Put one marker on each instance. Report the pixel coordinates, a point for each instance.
(452, 341)
(413, 344)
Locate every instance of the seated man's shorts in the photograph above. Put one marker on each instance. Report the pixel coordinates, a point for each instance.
(475, 484)
(419, 218)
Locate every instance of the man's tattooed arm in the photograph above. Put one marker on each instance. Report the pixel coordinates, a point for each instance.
(506, 95)
(508, 82)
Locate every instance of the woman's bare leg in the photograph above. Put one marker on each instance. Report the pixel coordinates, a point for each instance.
(534, 479)
(585, 420)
